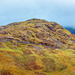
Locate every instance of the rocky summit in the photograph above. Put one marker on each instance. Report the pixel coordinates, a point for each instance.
(36, 47)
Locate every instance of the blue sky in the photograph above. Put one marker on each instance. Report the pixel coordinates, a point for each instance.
(60, 11)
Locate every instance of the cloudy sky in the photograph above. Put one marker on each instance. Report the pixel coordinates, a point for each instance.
(60, 11)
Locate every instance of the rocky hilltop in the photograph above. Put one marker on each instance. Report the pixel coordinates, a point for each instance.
(36, 47)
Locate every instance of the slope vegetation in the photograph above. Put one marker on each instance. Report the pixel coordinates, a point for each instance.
(36, 47)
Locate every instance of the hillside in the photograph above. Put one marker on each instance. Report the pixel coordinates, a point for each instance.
(36, 47)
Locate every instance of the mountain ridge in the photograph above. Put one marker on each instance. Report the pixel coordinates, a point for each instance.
(72, 30)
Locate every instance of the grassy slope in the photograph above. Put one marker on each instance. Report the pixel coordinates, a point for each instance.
(34, 58)
(45, 61)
